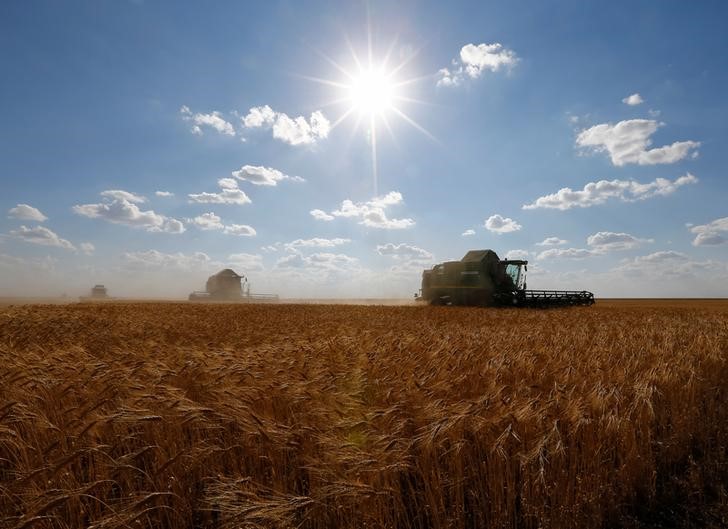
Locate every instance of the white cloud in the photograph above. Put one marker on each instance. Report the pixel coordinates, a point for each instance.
(517, 254)
(26, 212)
(376, 218)
(669, 265)
(318, 261)
(167, 261)
(170, 226)
(87, 248)
(316, 242)
(210, 221)
(446, 77)
(320, 214)
(468, 233)
(326, 259)
(214, 121)
(551, 241)
(259, 116)
(263, 176)
(665, 256)
(566, 253)
(404, 251)
(633, 100)
(164, 193)
(41, 235)
(350, 209)
(118, 194)
(408, 270)
(474, 60)
(409, 261)
(605, 241)
(372, 213)
(595, 193)
(300, 132)
(207, 221)
(118, 209)
(293, 260)
(601, 243)
(241, 230)
(392, 198)
(709, 239)
(247, 262)
(498, 224)
(486, 57)
(294, 131)
(711, 234)
(629, 142)
(229, 193)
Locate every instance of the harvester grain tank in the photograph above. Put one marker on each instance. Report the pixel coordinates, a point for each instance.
(481, 278)
(226, 285)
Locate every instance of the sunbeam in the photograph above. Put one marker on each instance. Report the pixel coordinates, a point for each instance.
(416, 125)
(373, 134)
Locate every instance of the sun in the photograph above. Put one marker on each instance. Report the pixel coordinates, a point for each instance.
(372, 92)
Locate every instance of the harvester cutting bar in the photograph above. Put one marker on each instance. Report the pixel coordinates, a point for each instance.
(551, 298)
(261, 298)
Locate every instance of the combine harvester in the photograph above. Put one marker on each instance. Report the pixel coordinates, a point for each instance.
(98, 293)
(226, 285)
(482, 279)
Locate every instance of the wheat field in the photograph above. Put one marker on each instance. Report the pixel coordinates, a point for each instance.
(323, 416)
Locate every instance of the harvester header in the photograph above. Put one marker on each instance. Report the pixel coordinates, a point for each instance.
(480, 278)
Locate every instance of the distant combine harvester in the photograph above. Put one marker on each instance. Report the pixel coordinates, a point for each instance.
(226, 285)
(98, 293)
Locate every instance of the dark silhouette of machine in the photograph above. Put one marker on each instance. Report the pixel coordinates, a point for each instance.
(481, 278)
(227, 285)
(98, 293)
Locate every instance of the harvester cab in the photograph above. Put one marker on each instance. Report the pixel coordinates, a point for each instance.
(516, 271)
(481, 278)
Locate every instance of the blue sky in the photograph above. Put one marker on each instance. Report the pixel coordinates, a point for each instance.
(587, 137)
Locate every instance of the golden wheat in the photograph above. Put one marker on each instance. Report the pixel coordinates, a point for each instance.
(181, 415)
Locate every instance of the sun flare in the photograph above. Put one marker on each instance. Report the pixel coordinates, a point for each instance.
(372, 92)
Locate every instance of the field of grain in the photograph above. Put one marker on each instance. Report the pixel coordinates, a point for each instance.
(322, 416)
